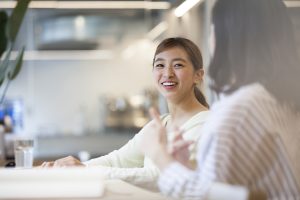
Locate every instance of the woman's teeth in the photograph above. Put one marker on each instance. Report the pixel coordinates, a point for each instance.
(168, 83)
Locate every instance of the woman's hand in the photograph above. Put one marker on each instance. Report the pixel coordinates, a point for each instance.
(69, 161)
(179, 149)
(154, 142)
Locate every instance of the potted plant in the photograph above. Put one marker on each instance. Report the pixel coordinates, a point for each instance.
(9, 28)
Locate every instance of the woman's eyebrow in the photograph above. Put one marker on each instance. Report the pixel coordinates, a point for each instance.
(174, 59)
(179, 59)
(159, 59)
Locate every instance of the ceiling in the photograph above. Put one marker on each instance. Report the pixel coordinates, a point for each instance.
(90, 29)
(94, 29)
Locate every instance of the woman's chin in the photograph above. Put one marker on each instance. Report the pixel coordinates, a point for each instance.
(171, 97)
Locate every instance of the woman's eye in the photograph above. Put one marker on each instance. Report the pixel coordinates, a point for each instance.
(159, 66)
(178, 65)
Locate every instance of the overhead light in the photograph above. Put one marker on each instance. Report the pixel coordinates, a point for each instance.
(292, 4)
(91, 4)
(157, 30)
(65, 55)
(185, 7)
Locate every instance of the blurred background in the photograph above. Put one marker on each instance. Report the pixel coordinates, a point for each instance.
(86, 82)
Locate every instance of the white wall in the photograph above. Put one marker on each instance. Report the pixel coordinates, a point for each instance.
(57, 94)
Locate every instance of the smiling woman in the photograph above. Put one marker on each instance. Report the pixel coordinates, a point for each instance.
(172, 71)
(179, 58)
(177, 70)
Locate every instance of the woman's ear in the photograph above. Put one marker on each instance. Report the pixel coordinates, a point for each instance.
(198, 76)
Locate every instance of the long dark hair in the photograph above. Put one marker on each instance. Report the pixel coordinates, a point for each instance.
(255, 43)
(194, 54)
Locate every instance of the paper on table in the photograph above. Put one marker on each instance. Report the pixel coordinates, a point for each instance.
(51, 183)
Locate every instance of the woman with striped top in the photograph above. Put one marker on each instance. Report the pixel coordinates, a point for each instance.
(252, 137)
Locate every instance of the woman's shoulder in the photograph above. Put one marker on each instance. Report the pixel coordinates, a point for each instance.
(201, 116)
(252, 91)
(249, 101)
(247, 96)
(164, 118)
(198, 118)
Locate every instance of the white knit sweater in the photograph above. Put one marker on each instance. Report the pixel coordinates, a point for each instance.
(130, 165)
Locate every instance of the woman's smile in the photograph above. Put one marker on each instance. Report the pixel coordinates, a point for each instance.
(169, 85)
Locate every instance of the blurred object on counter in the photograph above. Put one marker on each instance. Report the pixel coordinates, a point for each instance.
(2, 144)
(84, 156)
(11, 115)
(6, 123)
(116, 112)
(128, 112)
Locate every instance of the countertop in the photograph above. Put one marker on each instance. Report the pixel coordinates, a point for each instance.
(57, 146)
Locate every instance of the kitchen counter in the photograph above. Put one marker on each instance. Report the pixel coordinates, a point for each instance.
(95, 145)
(57, 146)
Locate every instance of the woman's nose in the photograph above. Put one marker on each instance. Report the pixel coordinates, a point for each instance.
(168, 71)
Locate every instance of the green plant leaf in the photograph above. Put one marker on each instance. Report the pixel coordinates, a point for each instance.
(3, 39)
(2, 76)
(4, 64)
(16, 68)
(16, 19)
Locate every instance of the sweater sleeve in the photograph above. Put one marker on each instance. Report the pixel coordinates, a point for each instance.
(127, 156)
(129, 164)
(145, 177)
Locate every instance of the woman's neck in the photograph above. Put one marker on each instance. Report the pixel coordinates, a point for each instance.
(183, 111)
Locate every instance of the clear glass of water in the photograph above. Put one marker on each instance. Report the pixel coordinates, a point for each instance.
(23, 153)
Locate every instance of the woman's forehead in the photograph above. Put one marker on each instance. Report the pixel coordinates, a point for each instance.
(174, 52)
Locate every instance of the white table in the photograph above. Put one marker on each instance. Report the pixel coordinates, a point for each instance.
(116, 190)
(120, 190)
(67, 183)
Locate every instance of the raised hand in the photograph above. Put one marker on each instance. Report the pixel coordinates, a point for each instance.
(154, 141)
(179, 149)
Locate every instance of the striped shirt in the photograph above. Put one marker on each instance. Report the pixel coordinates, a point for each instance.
(243, 143)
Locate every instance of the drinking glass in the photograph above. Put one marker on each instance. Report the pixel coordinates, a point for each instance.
(23, 153)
